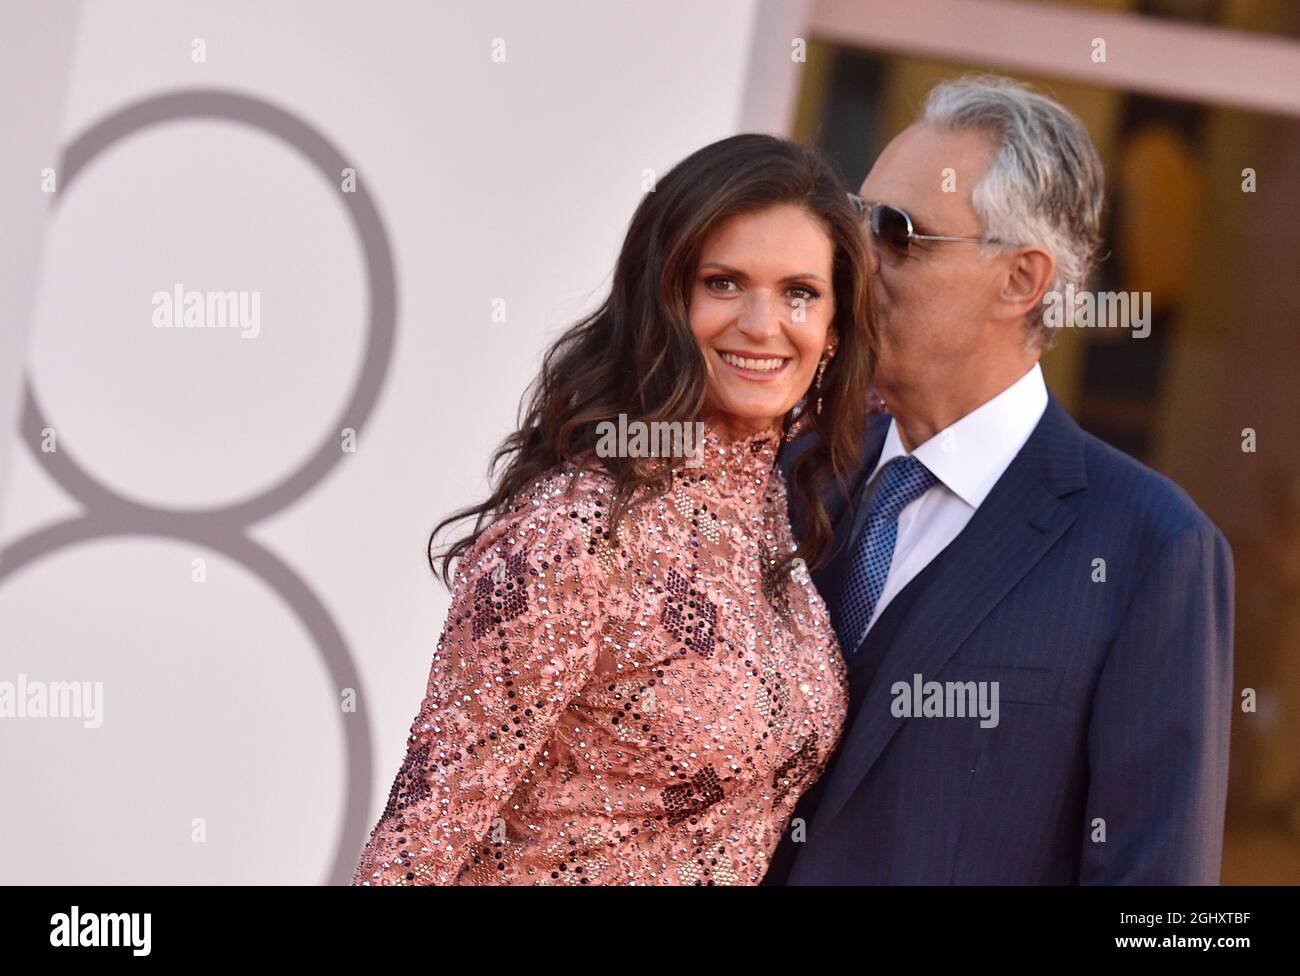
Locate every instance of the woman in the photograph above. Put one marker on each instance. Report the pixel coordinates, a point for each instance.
(637, 679)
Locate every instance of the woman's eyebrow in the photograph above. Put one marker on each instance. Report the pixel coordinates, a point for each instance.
(737, 273)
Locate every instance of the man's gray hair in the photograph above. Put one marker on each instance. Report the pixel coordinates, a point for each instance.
(1044, 185)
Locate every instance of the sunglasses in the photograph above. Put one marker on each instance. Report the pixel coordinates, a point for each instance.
(892, 228)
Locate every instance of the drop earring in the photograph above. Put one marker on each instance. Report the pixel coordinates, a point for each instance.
(821, 371)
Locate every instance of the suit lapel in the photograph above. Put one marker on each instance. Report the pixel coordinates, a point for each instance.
(1018, 522)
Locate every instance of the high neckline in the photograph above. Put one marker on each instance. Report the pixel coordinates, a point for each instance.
(736, 466)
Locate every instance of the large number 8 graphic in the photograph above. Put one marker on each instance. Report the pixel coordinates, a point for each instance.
(223, 529)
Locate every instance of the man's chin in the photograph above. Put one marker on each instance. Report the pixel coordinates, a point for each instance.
(886, 375)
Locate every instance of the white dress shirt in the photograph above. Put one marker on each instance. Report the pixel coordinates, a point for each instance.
(968, 457)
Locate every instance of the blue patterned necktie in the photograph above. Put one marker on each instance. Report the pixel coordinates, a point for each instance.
(900, 482)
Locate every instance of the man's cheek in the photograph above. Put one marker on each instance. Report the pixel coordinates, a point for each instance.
(882, 296)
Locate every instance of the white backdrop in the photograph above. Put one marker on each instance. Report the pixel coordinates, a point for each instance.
(223, 648)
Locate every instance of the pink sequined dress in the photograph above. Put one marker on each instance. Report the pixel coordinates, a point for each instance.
(642, 714)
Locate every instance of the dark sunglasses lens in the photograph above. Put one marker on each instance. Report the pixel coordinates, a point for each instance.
(889, 227)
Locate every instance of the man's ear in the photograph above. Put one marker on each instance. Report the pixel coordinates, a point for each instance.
(1029, 274)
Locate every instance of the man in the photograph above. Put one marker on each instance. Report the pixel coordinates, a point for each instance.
(1037, 627)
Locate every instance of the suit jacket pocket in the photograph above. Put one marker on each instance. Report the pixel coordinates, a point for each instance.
(1015, 683)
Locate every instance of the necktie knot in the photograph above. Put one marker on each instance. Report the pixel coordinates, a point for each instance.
(900, 482)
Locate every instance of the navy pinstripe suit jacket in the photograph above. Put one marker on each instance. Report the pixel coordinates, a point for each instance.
(1109, 761)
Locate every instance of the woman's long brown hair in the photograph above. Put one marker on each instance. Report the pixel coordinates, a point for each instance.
(636, 354)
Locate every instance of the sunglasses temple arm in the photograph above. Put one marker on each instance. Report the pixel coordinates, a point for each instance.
(938, 237)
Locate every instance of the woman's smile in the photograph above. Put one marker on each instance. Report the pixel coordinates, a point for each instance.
(762, 367)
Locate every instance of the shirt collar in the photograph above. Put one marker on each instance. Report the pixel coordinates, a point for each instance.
(970, 455)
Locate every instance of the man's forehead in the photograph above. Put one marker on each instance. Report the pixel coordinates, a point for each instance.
(929, 169)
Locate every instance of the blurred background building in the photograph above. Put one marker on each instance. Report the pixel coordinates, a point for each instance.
(212, 544)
